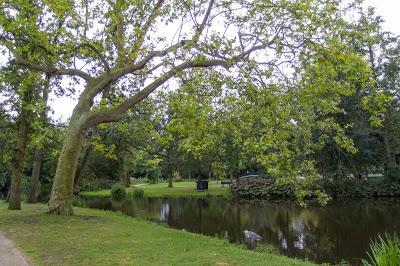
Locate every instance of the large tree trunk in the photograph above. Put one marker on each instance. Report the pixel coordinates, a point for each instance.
(63, 183)
(14, 202)
(62, 191)
(38, 156)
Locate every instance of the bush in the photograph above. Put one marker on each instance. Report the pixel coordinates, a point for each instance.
(138, 192)
(350, 188)
(260, 188)
(153, 181)
(118, 192)
(93, 184)
(384, 252)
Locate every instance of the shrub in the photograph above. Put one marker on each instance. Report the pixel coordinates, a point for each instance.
(93, 184)
(138, 192)
(118, 192)
(153, 180)
(350, 188)
(384, 252)
(260, 188)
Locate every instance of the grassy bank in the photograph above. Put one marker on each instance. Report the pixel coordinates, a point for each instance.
(180, 189)
(94, 237)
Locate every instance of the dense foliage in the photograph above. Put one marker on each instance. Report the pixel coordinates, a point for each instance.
(291, 90)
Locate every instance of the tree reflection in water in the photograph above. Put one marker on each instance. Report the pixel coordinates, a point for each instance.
(339, 231)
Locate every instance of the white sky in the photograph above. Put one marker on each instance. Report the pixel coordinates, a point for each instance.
(388, 9)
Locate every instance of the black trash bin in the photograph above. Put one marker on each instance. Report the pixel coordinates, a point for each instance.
(202, 184)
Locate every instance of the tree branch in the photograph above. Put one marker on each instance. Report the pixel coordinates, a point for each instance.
(97, 52)
(204, 22)
(143, 31)
(115, 114)
(52, 70)
(142, 63)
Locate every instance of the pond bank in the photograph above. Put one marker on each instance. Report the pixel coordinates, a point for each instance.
(340, 231)
(106, 238)
(180, 189)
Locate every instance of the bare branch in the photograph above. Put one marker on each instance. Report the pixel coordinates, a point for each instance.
(204, 22)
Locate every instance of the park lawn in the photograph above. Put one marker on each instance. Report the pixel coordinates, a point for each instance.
(95, 237)
(180, 189)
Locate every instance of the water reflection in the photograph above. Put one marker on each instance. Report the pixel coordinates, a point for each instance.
(339, 231)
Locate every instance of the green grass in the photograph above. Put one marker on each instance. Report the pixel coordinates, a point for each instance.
(385, 251)
(180, 189)
(94, 237)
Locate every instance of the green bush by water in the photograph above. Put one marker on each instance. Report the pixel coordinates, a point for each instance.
(384, 252)
(259, 188)
(118, 192)
(138, 192)
(350, 188)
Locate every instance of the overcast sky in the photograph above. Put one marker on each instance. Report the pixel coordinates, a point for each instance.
(388, 9)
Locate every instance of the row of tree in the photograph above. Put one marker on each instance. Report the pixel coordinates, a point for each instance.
(290, 88)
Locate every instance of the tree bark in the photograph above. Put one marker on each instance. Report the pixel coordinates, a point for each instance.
(38, 156)
(389, 161)
(82, 166)
(387, 143)
(34, 184)
(170, 181)
(126, 182)
(14, 202)
(62, 190)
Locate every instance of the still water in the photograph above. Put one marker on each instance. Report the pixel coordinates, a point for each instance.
(338, 232)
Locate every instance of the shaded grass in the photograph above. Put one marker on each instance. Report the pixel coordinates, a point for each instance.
(94, 237)
(180, 189)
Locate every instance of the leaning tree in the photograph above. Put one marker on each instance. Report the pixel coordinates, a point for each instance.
(117, 52)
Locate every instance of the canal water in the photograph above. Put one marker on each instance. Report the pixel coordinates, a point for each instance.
(340, 231)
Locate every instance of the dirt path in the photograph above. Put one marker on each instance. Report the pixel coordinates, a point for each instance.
(10, 255)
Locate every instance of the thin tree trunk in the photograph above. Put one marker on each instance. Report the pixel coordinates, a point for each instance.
(388, 155)
(34, 184)
(125, 161)
(82, 166)
(38, 156)
(170, 180)
(126, 180)
(14, 202)
(387, 143)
